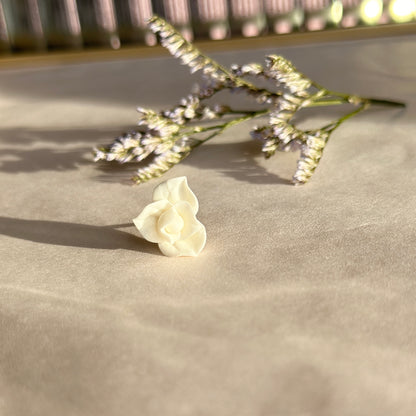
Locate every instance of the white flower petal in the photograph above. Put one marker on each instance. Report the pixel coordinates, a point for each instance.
(169, 249)
(175, 190)
(193, 235)
(147, 220)
(191, 224)
(170, 225)
(195, 242)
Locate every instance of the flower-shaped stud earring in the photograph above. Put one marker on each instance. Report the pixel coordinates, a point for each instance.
(170, 220)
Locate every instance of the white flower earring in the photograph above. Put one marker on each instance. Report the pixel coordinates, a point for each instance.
(170, 220)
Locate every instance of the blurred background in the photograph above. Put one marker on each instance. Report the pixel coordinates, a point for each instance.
(50, 25)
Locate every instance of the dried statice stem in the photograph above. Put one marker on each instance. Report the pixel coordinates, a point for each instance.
(165, 138)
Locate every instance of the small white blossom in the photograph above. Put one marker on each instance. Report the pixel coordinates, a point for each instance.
(208, 114)
(162, 163)
(285, 72)
(185, 51)
(310, 155)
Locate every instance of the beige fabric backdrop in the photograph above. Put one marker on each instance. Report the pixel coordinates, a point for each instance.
(303, 302)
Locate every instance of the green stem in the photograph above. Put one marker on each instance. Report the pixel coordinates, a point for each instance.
(322, 103)
(388, 103)
(351, 99)
(363, 103)
(329, 128)
(220, 128)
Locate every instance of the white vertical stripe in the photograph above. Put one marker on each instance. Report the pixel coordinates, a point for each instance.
(246, 8)
(275, 7)
(71, 12)
(140, 12)
(177, 11)
(4, 36)
(210, 10)
(105, 15)
(33, 10)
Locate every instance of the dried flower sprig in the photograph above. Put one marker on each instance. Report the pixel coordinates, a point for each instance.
(167, 137)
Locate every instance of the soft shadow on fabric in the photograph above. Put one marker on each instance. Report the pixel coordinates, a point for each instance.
(74, 235)
(235, 160)
(56, 150)
(64, 150)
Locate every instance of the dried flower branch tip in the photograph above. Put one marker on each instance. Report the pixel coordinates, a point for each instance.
(167, 137)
